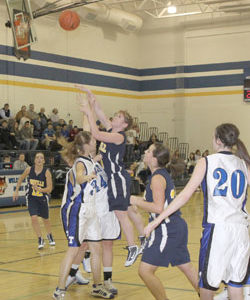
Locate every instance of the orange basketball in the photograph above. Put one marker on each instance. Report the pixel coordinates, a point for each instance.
(69, 20)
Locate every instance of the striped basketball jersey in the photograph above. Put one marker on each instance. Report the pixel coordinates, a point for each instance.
(39, 180)
(225, 189)
(112, 156)
(84, 192)
(169, 192)
(68, 189)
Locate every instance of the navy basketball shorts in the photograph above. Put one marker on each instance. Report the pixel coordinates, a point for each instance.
(119, 191)
(167, 244)
(38, 207)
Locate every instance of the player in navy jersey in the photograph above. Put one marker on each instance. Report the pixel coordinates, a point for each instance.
(168, 243)
(39, 188)
(112, 149)
(225, 249)
(78, 213)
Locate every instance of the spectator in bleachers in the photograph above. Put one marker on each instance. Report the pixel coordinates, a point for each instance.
(20, 163)
(73, 133)
(191, 162)
(65, 132)
(70, 125)
(35, 119)
(24, 119)
(197, 154)
(61, 122)
(26, 134)
(205, 153)
(130, 145)
(5, 113)
(7, 162)
(48, 136)
(43, 118)
(16, 132)
(54, 117)
(21, 113)
(153, 139)
(6, 137)
(177, 165)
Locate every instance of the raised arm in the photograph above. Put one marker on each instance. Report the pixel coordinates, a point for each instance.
(158, 186)
(96, 106)
(102, 136)
(182, 198)
(20, 180)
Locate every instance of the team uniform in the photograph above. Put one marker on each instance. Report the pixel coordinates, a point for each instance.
(167, 244)
(37, 202)
(118, 177)
(78, 211)
(225, 249)
(109, 223)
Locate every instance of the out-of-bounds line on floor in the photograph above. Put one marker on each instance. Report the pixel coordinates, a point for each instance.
(23, 210)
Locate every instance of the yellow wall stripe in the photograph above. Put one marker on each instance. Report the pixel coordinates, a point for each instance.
(119, 95)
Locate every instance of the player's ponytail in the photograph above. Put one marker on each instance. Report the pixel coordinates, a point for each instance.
(229, 135)
(242, 152)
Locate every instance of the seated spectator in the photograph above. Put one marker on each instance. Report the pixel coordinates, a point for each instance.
(65, 132)
(21, 113)
(7, 162)
(48, 136)
(14, 130)
(177, 165)
(20, 164)
(35, 119)
(73, 133)
(70, 125)
(130, 145)
(43, 118)
(6, 137)
(23, 120)
(26, 134)
(61, 122)
(54, 117)
(205, 153)
(197, 154)
(5, 113)
(191, 162)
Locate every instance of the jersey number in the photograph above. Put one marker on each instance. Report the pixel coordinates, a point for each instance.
(237, 183)
(96, 187)
(36, 193)
(102, 147)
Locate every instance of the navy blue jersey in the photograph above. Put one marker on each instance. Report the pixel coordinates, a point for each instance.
(169, 192)
(112, 156)
(39, 180)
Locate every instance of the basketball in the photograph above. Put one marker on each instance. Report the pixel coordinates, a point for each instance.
(69, 20)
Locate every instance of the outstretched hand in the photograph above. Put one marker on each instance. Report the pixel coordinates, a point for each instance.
(91, 97)
(84, 104)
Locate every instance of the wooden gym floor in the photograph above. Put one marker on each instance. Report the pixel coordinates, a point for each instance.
(29, 274)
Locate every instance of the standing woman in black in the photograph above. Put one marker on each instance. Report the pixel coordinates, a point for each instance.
(39, 188)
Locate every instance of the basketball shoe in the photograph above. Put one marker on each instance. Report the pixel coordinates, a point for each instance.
(100, 291)
(133, 252)
(109, 286)
(59, 294)
(51, 240)
(40, 243)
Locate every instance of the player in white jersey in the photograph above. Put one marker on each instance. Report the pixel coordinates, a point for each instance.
(225, 248)
(78, 214)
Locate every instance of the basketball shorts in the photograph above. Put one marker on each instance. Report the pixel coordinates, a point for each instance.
(224, 255)
(167, 244)
(119, 191)
(80, 223)
(38, 207)
(110, 225)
